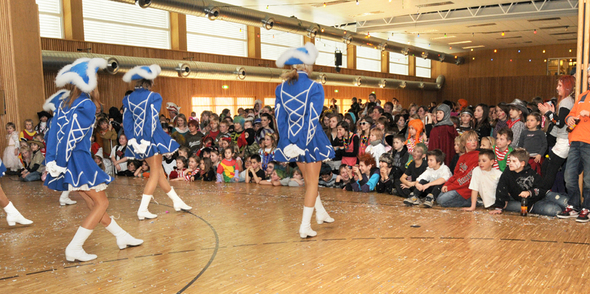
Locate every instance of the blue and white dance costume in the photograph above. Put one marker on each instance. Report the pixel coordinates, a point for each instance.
(141, 119)
(298, 107)
(69, 161)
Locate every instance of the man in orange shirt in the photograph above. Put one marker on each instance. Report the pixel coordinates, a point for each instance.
(579, 154)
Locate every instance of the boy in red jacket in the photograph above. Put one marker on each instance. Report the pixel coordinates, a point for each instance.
(456, 192)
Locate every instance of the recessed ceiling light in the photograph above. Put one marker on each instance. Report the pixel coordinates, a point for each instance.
(472, 47)
(447, 37)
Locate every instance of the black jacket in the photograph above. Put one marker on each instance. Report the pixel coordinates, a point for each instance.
(511, 184)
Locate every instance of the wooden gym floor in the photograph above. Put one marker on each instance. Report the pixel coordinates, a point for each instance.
(243, 239)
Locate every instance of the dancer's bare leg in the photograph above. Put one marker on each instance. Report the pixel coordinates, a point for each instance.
(98, 205)
(105, 220)
(155, 163)
(311, 175)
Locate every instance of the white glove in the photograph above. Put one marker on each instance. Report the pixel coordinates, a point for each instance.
(293, 151)
(139, 148)
(54, 170)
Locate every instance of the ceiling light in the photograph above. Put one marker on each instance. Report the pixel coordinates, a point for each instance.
(460, 42)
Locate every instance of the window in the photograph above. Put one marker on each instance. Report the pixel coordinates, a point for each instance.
(216, 37)
(269, 101)
(119, 23)
(201, 104)
(326, 50)
(398, 64)
(423, 67)
(50, 18)
(346, 103)
(218, 104)
(273, 43)
(368, 59)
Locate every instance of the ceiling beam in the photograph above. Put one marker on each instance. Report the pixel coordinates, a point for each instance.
(471, 15)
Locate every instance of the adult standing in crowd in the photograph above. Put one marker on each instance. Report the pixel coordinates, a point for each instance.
(557, 129)
(299, 103)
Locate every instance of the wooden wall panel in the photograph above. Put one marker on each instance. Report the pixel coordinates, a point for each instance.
(484, 80)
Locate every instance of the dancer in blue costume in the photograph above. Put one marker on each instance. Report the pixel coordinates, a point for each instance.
(147, 139)
(298, 106)
(69, 162)
(12, 215)
(50, 105)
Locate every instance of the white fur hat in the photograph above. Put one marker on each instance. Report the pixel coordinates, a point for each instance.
(302, 55)
(142, 72)
(81, 73)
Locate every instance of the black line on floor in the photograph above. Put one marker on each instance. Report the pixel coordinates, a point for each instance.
(6, 278)
(452, 238)
(543, 241)
(335, 239)
(576, 243)
(392, 238)
(508, 239)
(183, 251)
(210, 259)
(481, 238)
(364, 238)
(421, 237)
(155, 254)
(76, 265)
(210, 248)
(34, 273)
(243, 245)
(269, 243)
(308, 240)
(116, 259)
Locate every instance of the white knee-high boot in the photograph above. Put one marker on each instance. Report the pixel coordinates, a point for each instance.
(74, 251)
(305, 228)
(177, 202)
(123, 238)
(13, 216)
(64, 199)
(321, 215)
(143, 212)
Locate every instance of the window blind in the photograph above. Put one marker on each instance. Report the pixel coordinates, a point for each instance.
(216, 37)
(423, 67)
(398, 64)
(368, 59)
(50, 18)
(274, 44)
(119, 23)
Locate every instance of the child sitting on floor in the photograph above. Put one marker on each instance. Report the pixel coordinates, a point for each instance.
(406, 184)
(484, 180)
(327, 178)
(366, 175)
(430, 182)
(502, 148)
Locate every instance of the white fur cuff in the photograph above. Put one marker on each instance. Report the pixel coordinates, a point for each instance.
(54, 170)
(293, 151)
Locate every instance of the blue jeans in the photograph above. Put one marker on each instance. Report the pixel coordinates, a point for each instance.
(578, 159)
(34, 176)
(452, 199)
(551, 205)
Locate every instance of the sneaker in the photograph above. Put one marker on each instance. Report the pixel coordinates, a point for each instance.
(569, 212)
(413, 200)
(429, 201)
(583, 217)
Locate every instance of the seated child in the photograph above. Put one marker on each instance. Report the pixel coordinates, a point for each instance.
(207, 173)
(269, 168)
(36, 166)
(344, 176)
(407, 182)
(327, 178)
(400, 156)
(192, 172)
(143, 171)
(98, 161)
(430, 182)
(459, 150)
(386, 180)
(487, 143)
(132, 166)
(244, 172)
(179, 173)
(502, 148)
(376, 147)
(255, 172)
(366, 175)
(296, 179)
(278, 177)
(228, 170)
(455, 192)
(484, 180)
(520, 181)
